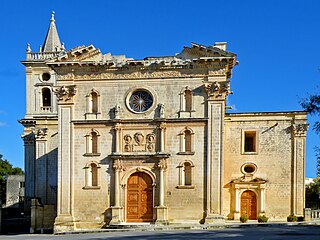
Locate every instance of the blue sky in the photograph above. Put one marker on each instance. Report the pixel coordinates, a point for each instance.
(277, 44)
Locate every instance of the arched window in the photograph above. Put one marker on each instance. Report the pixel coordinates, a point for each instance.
(46, 97)
(92, 172)
(93, 104)
(188, 100)
(186, 103)
(186, 141)
(92, 143)
(186, 174)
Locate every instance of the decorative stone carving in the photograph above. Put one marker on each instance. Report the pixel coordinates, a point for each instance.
(117, 165)
(139, 143)
(217, 72)
(40, 133)
(138, 137)
(217, 90)
(127, 143)
(65, 93)
(136, 75)
(162, 164)
(28, 138)
(151, 139)
(300, 130)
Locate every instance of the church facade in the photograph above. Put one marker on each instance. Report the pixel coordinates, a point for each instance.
(112, 140)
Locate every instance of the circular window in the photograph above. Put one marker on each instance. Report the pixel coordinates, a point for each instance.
(140, 101)
(46, 76)
(248, 168)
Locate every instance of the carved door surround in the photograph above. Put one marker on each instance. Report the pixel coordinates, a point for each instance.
(238, 187)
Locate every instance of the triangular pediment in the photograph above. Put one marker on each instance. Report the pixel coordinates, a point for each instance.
(200, 51)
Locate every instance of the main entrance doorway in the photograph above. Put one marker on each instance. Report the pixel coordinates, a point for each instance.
(249, 204)
(139, 198)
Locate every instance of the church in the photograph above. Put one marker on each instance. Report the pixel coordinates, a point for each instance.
(110, 140)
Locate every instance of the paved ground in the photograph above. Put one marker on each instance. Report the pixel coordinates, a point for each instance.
(248, 232)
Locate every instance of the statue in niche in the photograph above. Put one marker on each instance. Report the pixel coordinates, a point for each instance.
(161, 110)
(117, 111)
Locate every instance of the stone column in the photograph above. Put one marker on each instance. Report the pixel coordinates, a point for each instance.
(117, 210)
(161, 210)
(262, 200)
(117, 168)
(237, 208)
(162, 129)
(65, 220)
(216, 100)
(118, 143)
(297, 168)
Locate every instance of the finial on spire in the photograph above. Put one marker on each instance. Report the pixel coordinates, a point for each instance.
(52, 16)
(52, 42)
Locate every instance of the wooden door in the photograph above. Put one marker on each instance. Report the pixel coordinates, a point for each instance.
(139, 198)
(249, 204)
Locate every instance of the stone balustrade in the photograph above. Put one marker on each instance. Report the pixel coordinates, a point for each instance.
(41, 55)
(315, 214)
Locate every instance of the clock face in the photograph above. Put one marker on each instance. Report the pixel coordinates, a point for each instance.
(140, 101)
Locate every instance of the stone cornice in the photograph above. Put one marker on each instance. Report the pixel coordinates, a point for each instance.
(140, 121)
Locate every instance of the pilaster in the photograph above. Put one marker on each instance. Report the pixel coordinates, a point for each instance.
(41, 164)
(30, 165)
(65, 220)
(216, 97)
(297, 168)
(117, 210)
(161, 210)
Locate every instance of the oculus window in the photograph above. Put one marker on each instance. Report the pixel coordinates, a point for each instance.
(140, 101)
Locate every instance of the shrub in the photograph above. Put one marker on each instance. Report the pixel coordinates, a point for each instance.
(244, 218)
(292, 218)
(262, 219)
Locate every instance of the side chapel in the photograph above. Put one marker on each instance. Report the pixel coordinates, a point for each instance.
(112, 140)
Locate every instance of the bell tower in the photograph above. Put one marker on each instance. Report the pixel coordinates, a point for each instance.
(41, 127)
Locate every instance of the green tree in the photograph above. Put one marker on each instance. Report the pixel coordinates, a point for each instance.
(311, 104)
(6, 169)
(312, 194)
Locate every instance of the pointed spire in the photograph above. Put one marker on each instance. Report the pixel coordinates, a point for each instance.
(52, 42)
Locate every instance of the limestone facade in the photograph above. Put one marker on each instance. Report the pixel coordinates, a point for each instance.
(113, 140)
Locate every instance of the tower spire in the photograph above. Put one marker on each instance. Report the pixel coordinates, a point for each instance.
(52, 42)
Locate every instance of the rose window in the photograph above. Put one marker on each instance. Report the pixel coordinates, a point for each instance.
(140, 101)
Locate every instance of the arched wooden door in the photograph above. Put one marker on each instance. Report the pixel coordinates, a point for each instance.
(139, 198)
(249, 204)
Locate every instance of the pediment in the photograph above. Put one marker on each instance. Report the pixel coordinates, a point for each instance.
(80, 54)
(245, 180)
(201, 51)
